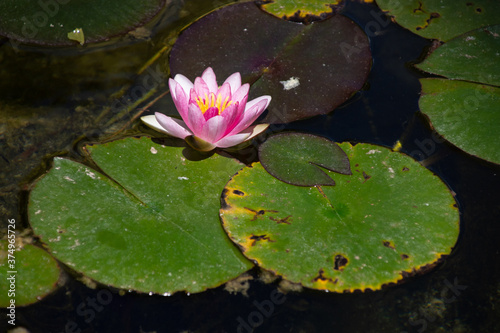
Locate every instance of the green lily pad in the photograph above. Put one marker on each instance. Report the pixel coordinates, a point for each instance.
(302, 10)
(307, 69)
(152, 226)
(48, 22)
(390, 219)
(466, 114)
(473, 57)
(298, 159)
(442, 19)
(33, 275)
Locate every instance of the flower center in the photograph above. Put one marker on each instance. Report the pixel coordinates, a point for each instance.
(211, 101)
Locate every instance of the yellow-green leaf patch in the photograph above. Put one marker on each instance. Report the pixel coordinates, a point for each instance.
(302, 10)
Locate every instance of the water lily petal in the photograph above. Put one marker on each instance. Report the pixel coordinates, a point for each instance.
(256, 130)
(234, 81)
(192, 96)
(209, 78)
(232, 140)
(196, 119)
(153, 123)
(243, 136)
(252, 112)
(200, 87)
(213, 129)
(232, 115)
(185, 83)
(224, 92)
(174, 88)
(241, 93)
(181, 99)
(254, 101)
(168, 125)
(211, 112)
(199, 144)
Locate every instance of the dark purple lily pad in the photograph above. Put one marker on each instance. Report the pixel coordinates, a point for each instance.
(297, 159)
(307, 69)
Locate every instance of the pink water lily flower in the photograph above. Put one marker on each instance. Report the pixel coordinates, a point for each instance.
(212, 116)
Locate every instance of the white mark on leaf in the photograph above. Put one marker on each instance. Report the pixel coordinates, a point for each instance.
(291, 83)
(391, 170)
(69, 179)
(90, 173)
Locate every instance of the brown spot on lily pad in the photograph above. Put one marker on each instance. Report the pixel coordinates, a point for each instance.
(259, 212)
(238, 192)
(340, 262)
(283, 220)
(257, 238)
(389, 244)
(366, 176)
(321, 277)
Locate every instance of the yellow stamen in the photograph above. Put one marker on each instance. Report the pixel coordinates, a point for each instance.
(211, 101)
(226, 104)
(217, 103)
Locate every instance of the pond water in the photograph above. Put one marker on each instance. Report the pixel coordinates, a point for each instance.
(54, 101)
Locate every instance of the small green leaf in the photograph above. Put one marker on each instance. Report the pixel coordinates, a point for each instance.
(472, 57)
(77, 35)
(35, 274)
(390, 219)
(307, 69)
(442, 19)
(296, 159)
(152, 226)
(466, 114)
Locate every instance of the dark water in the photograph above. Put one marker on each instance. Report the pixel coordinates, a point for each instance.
(460, 295)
